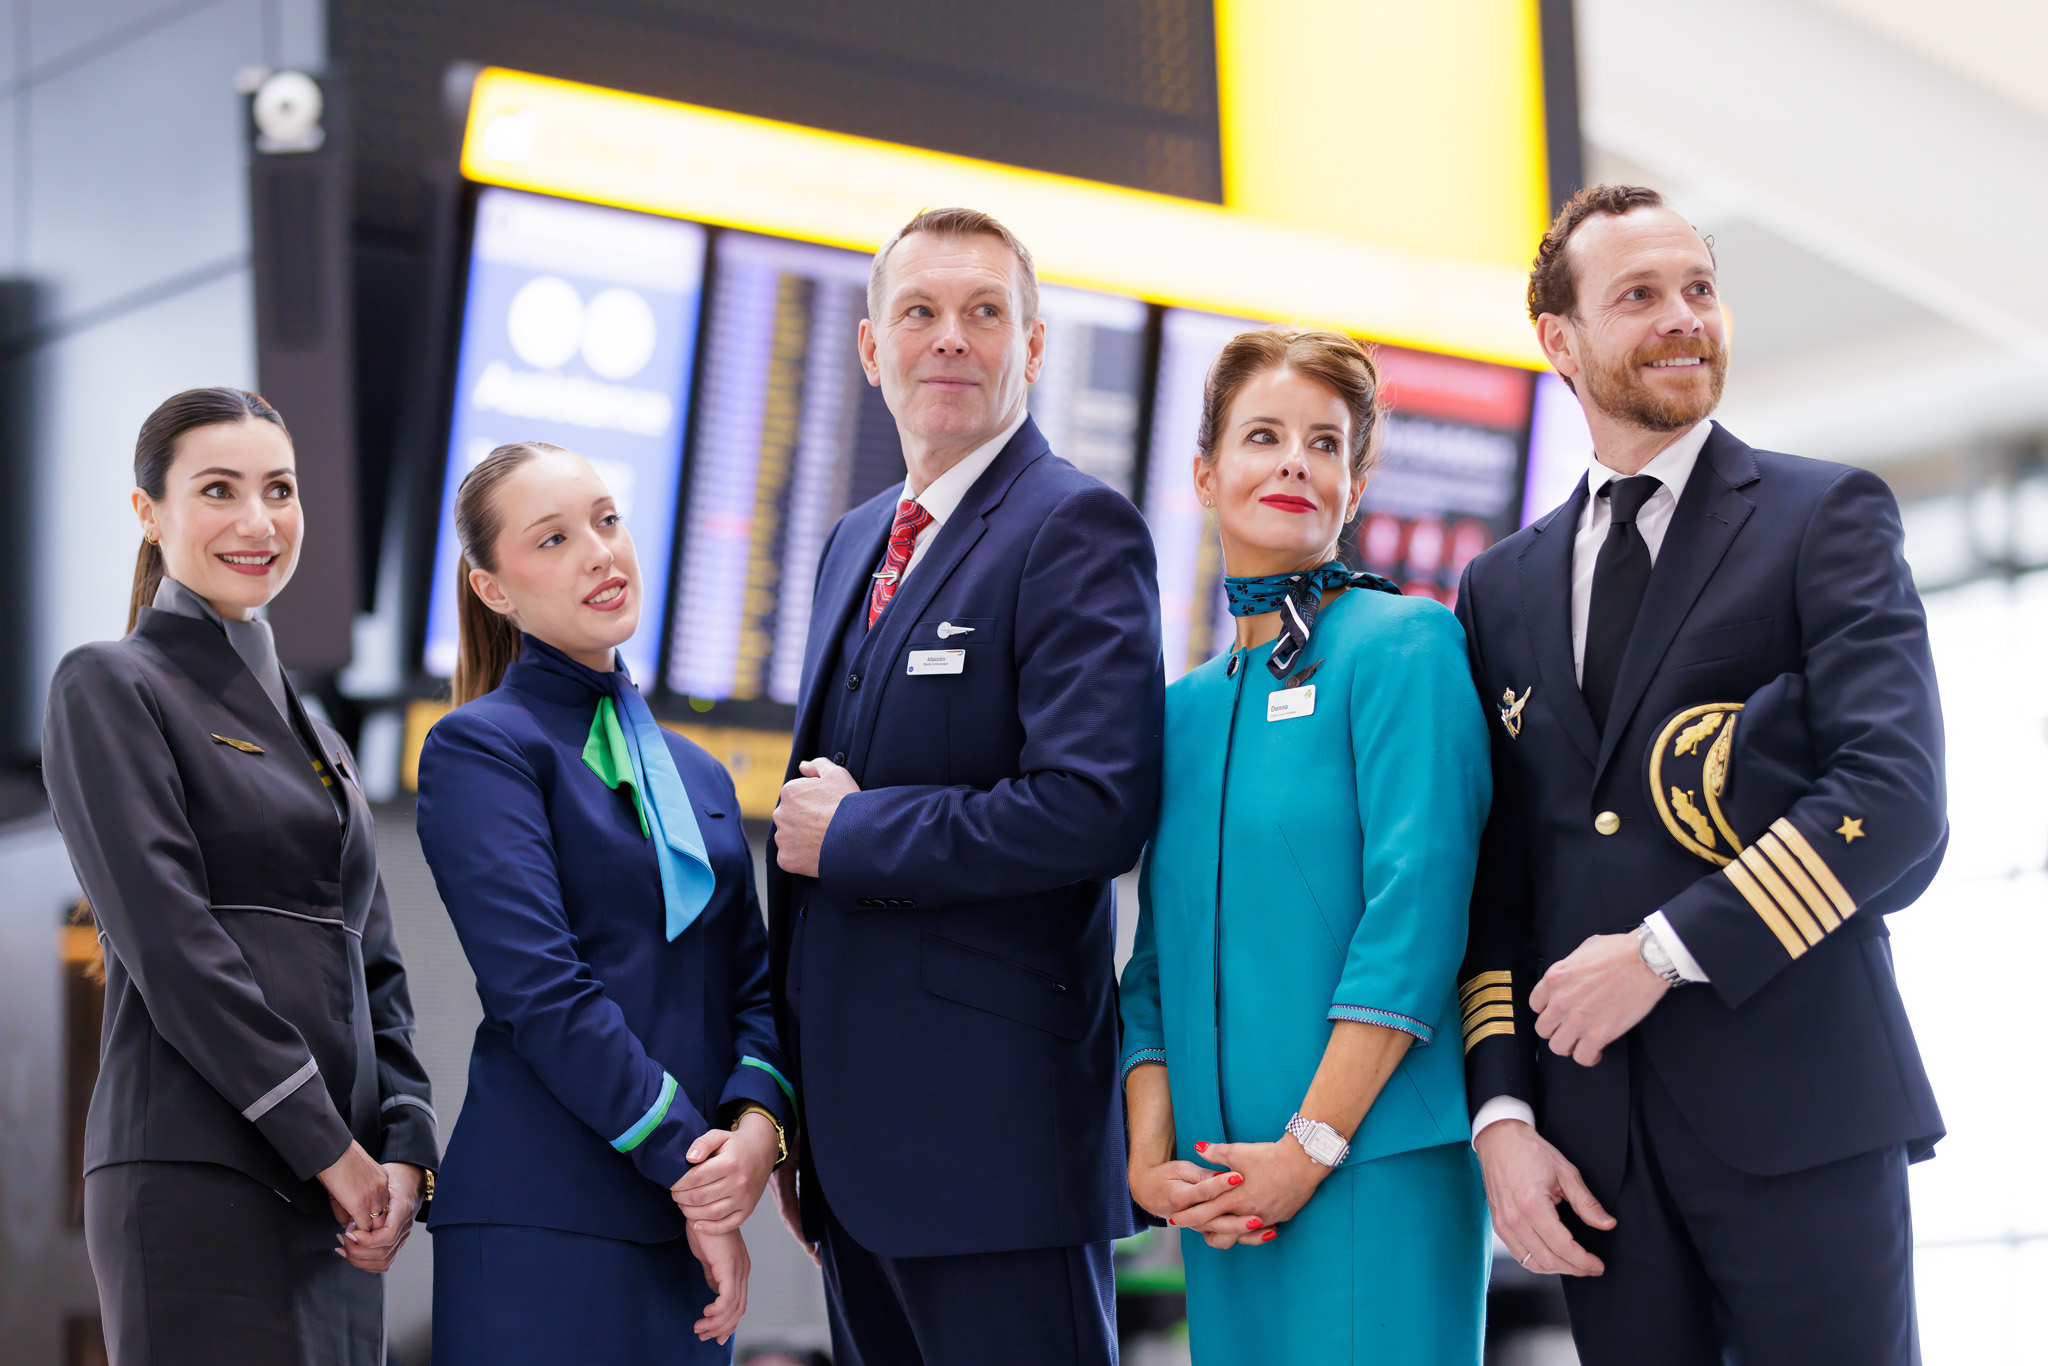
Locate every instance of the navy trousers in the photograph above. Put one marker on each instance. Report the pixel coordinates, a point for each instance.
(1040, 1307)
(1710, 1266)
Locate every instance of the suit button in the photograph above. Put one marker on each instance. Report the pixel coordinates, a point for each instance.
(840, 758)
(853, 682)
(1607, 822)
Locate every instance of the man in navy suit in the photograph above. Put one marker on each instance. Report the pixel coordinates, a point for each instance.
(976, 758)
(1717, 766)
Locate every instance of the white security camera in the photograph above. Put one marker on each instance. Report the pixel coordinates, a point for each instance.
(287, 109)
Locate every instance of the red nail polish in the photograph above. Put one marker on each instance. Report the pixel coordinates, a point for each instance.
(1236, 1179)
(1255, 1223)
(1171, 1224)
(1201, 1147)
(1271, 1234)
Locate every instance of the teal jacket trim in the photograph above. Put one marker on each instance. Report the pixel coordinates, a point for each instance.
(780, 1080)
(636, 1135)
(1386, 1019)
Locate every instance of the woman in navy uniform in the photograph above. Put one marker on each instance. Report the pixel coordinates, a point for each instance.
(626, 1095)
(257, 1040)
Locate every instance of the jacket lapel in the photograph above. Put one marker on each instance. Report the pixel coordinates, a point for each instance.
(958, 536)
(843, 584)
(1546, 573)
(1709, 514)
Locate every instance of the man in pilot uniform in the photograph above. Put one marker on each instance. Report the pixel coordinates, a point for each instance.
(1717, 756)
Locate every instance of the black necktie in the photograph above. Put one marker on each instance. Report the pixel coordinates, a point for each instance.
(1619, 577)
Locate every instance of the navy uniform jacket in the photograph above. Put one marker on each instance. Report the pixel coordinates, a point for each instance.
(605, 1048)
(256, 1013)
(948, 981)
(1799, 1052)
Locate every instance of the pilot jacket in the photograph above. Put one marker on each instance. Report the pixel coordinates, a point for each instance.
(256, 1007)
(1798, 1053)
(947, 982)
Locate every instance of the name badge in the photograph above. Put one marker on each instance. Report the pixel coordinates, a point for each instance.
(1289, 703)
(937, 662)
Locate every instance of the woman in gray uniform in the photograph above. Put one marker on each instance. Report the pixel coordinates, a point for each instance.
(261, 1133)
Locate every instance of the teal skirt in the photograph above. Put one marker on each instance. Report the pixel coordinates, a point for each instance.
(1385, 1266)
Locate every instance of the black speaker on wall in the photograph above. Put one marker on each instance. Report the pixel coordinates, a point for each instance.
(299, 241)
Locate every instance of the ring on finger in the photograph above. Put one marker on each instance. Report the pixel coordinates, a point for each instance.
(1526, 1256)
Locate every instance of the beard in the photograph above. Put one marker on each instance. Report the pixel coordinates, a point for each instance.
(1619, 389)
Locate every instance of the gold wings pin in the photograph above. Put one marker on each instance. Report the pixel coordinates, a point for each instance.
(1511, 710)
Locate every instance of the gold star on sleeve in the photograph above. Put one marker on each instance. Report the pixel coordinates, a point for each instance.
(1850, 830)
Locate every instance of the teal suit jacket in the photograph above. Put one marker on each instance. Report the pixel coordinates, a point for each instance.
(1311, 869)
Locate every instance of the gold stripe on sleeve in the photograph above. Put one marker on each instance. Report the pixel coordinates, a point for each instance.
(1822, 874)
(1499, 1010)
(1487, 1031)
(1795, 909)
(1765, 908)
(1501, 977)
(1789, 868)
(1486, 996)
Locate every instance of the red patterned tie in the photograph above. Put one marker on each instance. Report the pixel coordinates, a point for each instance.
(910, 519)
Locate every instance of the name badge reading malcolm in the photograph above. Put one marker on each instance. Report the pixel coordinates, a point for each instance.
(1289, 703)
(937, 662)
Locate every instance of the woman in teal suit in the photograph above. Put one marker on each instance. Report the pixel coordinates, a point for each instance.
(1292, 1071)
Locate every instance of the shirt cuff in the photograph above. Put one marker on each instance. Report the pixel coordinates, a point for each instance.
(1500, 1108)
(1674, 948)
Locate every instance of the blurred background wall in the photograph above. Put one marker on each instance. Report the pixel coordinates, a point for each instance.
(1874, 175)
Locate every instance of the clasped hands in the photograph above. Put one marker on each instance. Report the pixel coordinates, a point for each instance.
(730, 1168)
(374, 1203)
(1261, 1186)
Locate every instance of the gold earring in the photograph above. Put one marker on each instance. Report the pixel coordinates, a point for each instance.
(150, 537)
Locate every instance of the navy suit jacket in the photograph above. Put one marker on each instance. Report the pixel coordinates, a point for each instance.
(589, 1009)
(1772, 565)
(947, 982)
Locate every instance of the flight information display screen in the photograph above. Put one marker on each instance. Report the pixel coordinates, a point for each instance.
(579, 327)
(584, 326)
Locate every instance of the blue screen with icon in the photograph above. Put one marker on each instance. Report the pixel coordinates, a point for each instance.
(579, 327)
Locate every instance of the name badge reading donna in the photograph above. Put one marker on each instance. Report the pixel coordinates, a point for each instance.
(937, 662)
(1289, 703)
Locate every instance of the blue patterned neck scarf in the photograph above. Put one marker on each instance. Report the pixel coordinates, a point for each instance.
(1297, 598)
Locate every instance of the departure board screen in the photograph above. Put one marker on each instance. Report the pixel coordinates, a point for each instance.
(789, 435)
(1447, 485)
(578, 329)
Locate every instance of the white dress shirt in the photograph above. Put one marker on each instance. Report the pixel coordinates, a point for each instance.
(1671, 467)
(941, 498)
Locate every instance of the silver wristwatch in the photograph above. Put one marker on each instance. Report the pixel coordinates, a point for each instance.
(1651, 948)
(1323, 1144)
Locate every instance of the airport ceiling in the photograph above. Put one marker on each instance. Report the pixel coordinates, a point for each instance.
(1875, 177)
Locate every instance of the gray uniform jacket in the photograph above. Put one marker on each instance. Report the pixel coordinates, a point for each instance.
(257, 1014)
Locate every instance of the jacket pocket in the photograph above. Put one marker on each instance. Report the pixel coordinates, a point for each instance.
(1001, 986)
(1718, 643)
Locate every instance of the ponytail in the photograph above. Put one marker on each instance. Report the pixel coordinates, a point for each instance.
(149, 573)
(486, 642)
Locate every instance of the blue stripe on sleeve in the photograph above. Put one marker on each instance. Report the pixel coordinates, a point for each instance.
(637, 1135)
(751, 1061)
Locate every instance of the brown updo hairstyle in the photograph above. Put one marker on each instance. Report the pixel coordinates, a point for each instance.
(486, 642)
(156, 447)
(1343, 363)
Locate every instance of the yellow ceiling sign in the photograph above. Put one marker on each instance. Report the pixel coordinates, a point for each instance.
(658, 156)
(1413, 127)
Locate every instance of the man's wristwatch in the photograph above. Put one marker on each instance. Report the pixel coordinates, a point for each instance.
(1323, 1144)
(1651, 948)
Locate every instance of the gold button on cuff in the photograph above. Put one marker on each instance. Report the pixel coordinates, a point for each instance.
(1607, 822)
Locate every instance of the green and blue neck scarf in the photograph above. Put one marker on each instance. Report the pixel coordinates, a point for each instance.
(626, 747)
(1297, 598)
